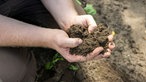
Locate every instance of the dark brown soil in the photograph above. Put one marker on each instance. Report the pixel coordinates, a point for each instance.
(128, 19)
(90, 40)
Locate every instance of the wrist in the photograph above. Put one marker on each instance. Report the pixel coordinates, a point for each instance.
(52, 38)
(48, 38)
(67, 11)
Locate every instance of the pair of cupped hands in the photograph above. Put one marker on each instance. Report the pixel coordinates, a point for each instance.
(62, 43)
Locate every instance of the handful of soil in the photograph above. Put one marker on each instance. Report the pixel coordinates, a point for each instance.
(90, 40)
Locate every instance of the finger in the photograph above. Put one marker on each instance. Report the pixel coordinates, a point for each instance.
(91, 23)
(71, 42)
(107, 54)
(109, 50)
(98, 57)
(111, 45)
(76, 58)
(69, 57)
(94, 53)
(97, 50)
(81, 59)
(110, 37)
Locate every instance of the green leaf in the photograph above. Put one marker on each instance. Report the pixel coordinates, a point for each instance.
(57, 57)
(89, 9)
(49, 65)
(73, 67)
(56, 60)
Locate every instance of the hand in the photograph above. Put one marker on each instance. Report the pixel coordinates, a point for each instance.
(62, 43)
(65, 19)
(88, 21)
(84, 20)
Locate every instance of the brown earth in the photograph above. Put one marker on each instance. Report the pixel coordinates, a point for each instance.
(128, 19)
(90, 40)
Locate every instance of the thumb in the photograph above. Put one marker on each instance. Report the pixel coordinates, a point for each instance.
(71, 42)
(91, 23)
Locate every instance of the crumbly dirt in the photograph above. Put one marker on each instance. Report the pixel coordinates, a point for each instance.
(98, 71)
(128, 19)
(90, 40)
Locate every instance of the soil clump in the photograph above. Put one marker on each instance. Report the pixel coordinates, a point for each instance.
(90, 40)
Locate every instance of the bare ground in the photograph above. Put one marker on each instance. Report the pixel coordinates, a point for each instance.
(127, 63)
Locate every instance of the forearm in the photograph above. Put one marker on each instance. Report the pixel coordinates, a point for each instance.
(62, 10)
(16, 33)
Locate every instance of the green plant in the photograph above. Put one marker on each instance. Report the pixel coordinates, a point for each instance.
(57, 57)
(73, 67)
(89, 9)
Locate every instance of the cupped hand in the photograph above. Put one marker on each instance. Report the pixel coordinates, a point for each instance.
(83, 20)
(89, 22)
(62, 43)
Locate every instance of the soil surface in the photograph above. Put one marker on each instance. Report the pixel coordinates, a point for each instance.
(128, 19)
(90, 40)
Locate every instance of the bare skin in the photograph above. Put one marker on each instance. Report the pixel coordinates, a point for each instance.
(17, 33)
(67, 17)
